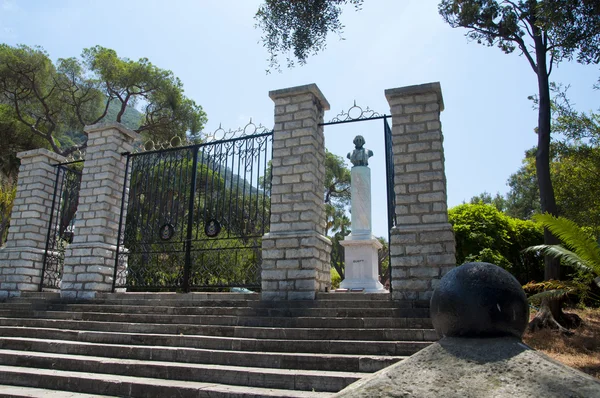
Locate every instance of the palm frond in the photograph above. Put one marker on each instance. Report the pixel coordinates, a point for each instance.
(568, 232)
(557, 251)
(549, 294)
(552, 284)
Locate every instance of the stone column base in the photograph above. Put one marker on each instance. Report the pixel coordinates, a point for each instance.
(362, 265)
(20, 270)
(420, 256)
(89, 270)
(295, 265)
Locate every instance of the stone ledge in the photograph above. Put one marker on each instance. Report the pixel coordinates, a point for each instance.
(434, 87)
(296, 234)
(297, 90)
(408, 228)
(111, 125)
(476, 368)
(44, 152)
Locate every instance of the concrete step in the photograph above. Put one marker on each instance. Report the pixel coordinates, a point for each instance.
(273, 360)
(203, 344)
(381, 333)
(182, 302)
(228, 320)
(284, 379)
(29, 392)
(243, 311)
(128, 386)
(406, 346)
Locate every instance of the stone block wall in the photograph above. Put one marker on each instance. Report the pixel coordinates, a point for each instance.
(90, 259)
(422, 245)
(296, 254)
(21, 260)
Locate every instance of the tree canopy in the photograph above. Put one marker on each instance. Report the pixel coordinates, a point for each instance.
(57, 99)
(546, 32)
(299, 28)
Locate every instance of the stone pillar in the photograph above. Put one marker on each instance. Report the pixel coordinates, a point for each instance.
(21, 260)
(422, 244)
(90, 259)
(296, 253)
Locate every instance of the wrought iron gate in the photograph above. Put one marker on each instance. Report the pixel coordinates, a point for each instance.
(357, 114)
(61, 228)
(195, 216)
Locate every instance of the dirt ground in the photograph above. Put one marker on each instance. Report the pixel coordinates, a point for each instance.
(580, 351)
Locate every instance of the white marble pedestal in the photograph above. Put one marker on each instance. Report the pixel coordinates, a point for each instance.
(362, 265)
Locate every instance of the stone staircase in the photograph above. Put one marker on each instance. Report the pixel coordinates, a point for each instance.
(202, 344)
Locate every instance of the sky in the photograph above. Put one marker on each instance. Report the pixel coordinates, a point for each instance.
(215, 49)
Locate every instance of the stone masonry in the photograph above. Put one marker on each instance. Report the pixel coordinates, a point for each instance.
(295, 251)
(90, 259)
(422, 244)
(21, 260)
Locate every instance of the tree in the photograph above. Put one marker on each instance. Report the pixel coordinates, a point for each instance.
(574, 168)
(337, 193)
(546, 32)
(576, 171)
(337, 198)
(57, 100)
(300, 27)
(15, 138)
(579, 250)
(498, 201)
(522, 200)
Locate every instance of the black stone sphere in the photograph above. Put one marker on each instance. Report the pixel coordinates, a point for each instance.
(479, 300)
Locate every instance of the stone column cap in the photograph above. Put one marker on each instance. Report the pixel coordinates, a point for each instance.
(111, 125)
(433, 87)
(297, 90)
(42, 152)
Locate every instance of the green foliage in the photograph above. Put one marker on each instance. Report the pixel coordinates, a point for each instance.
(575, 171)
(485, 234)
(579, 250)
(7, 196)
(160, 195)
(336, 279)
(551, 289)
(569, 27)
(167, 112)
(523, 198)
(575, 127)
(583, 251)
(132, 118)
(337, 194)
(299, 27)
(55, 101)
(498, 201)
(546, 32)
(15, 138)
(337, 198)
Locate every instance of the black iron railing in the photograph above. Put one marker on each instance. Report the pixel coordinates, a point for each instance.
(193, 217)
(61, 228)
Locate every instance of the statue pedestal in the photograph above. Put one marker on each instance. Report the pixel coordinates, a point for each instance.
(362, 265)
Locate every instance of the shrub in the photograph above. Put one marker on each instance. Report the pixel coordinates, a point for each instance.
(483, 233)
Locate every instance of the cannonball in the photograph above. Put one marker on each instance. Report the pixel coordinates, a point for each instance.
(479, 300)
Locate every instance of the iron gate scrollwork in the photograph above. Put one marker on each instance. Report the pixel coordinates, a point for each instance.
(61, 228)
(195, 216)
